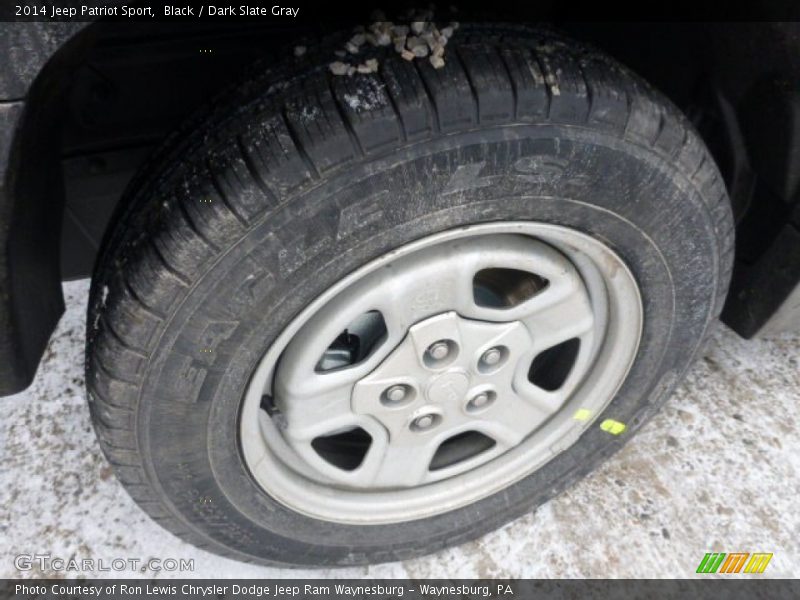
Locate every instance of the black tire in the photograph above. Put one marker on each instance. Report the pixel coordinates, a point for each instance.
(282, 188)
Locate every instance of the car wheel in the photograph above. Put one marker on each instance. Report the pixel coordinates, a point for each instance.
(342, 320)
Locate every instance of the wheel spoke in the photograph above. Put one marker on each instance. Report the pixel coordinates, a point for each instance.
(312, 415)
(565, 314)
(511, 419)
(560, 314)
(545, 401)
(402, 461)
(313, 403)
(426, 288)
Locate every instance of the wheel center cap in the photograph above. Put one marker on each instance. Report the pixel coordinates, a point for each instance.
(448, 387)
(437, 370)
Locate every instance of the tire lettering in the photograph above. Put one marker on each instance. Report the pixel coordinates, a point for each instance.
(466, 177)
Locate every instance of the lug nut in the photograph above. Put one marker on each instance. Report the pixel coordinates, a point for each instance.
(480, 400)
(424, 422)
(396, 393)
(492, 357)
(439, 350)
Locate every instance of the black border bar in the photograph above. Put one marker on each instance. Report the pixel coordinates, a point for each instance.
(700, 588)
(261, 11)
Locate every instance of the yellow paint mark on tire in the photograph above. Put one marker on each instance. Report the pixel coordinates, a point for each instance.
(613, 427)
(582, 414)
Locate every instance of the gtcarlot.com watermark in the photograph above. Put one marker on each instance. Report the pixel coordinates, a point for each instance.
(49, 563)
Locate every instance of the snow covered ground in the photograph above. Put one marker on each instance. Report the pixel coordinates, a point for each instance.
(717, 470)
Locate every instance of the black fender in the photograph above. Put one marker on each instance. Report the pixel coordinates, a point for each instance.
(33, 81)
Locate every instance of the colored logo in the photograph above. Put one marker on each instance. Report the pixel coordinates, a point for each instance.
(736, 562)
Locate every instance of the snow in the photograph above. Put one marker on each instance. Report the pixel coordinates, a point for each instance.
(369, 95)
